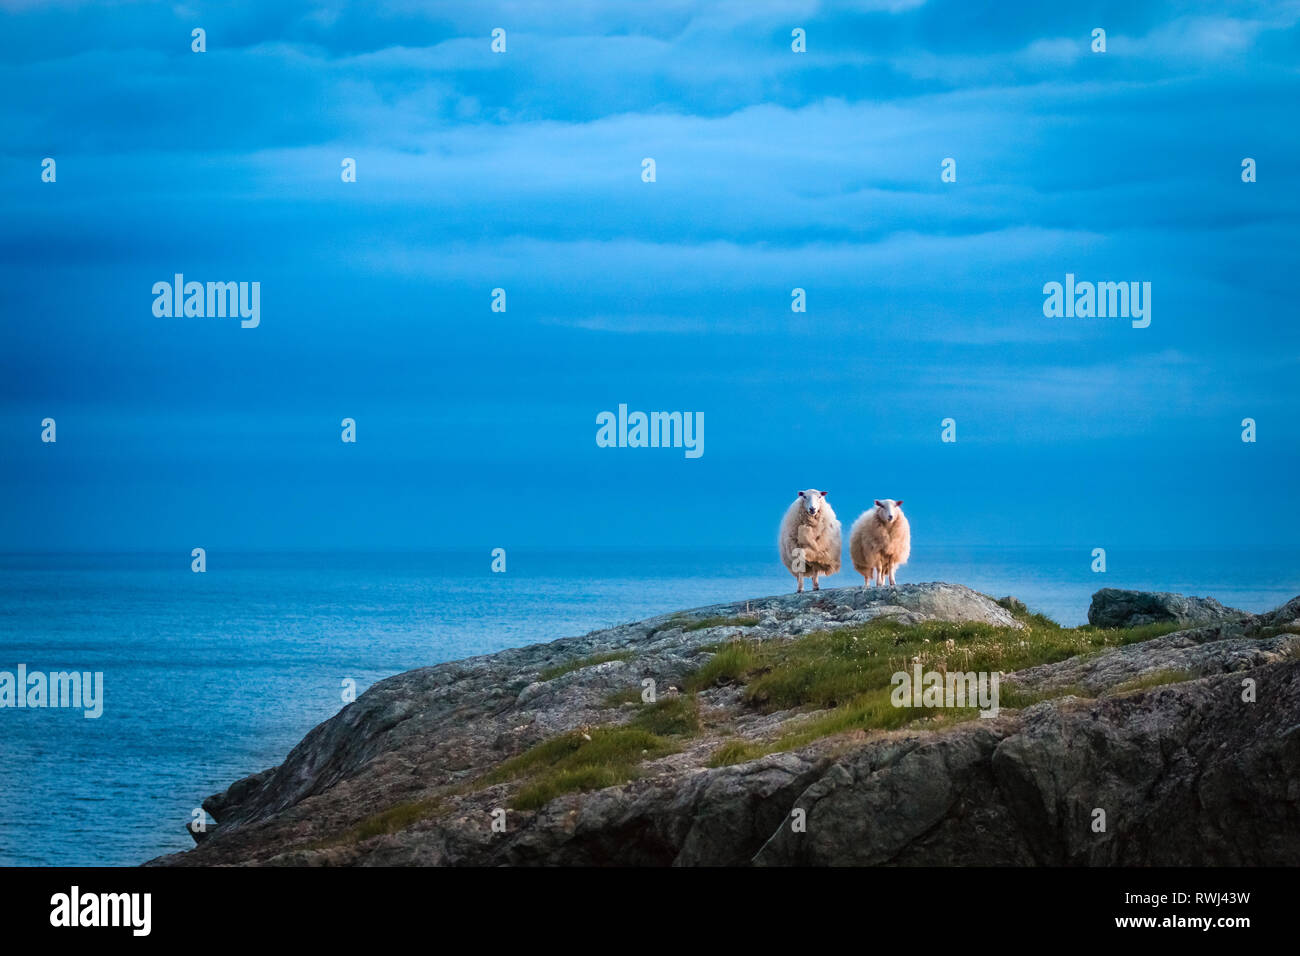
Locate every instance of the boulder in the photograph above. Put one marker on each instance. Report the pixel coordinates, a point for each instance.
(1112, 607)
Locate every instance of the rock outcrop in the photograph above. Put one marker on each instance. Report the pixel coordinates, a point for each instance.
(1189, 744)
(1112, 607)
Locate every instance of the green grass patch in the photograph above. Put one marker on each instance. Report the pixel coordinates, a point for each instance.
(841, 678)
(557, 670)
(677, 716)
(535, 795)
(631, 695)
(571, 762)
(396, 818)
(393, 820)
(730, 663)
(845, 675)
(687, 625)
(1154, 679)
(1026, 616)
(1275, 630)
(736, 751)
(1015, 697)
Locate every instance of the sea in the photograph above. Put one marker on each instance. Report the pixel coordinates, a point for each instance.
(211, 676)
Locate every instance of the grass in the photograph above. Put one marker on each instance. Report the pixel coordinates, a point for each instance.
(1014, 697)
(676, 716)
(563, 764)
(1154, 679)
(830, 669)
(843, 677)
(687, 625)
(1274, 630)
(557, 670)
(601, 757)
(631, 695)
(729, 664)
(1026, 616)
(1017, 698)
(736, 751)
(396, 818)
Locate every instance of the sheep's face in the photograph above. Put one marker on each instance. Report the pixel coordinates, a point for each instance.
(812, 499)
(889, 509)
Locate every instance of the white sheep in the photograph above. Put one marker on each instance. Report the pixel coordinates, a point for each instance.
(809, 541)
(880, 542)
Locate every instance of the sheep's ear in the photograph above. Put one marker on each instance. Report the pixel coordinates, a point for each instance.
(878, 505)
(801, 494)
(823, 494)
(899, 502)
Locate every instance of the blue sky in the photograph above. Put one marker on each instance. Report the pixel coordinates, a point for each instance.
(521, 170)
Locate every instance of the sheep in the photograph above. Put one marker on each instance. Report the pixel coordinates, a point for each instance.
(809, 541)
(880, 542)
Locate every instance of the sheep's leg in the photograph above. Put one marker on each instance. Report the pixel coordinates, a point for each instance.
(799, 578)
(816, 586)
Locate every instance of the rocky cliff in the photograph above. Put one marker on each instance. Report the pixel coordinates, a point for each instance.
(760, 733)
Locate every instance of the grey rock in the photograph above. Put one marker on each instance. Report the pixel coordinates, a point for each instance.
(1112, 607)
(1018, 789)
(1234, 645)
(1185, 774)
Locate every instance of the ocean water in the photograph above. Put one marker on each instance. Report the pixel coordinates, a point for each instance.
(210, 677)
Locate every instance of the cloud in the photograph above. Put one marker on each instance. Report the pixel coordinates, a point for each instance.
(775, 170)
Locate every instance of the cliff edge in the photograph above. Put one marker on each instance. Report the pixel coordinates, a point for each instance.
(767, 732)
